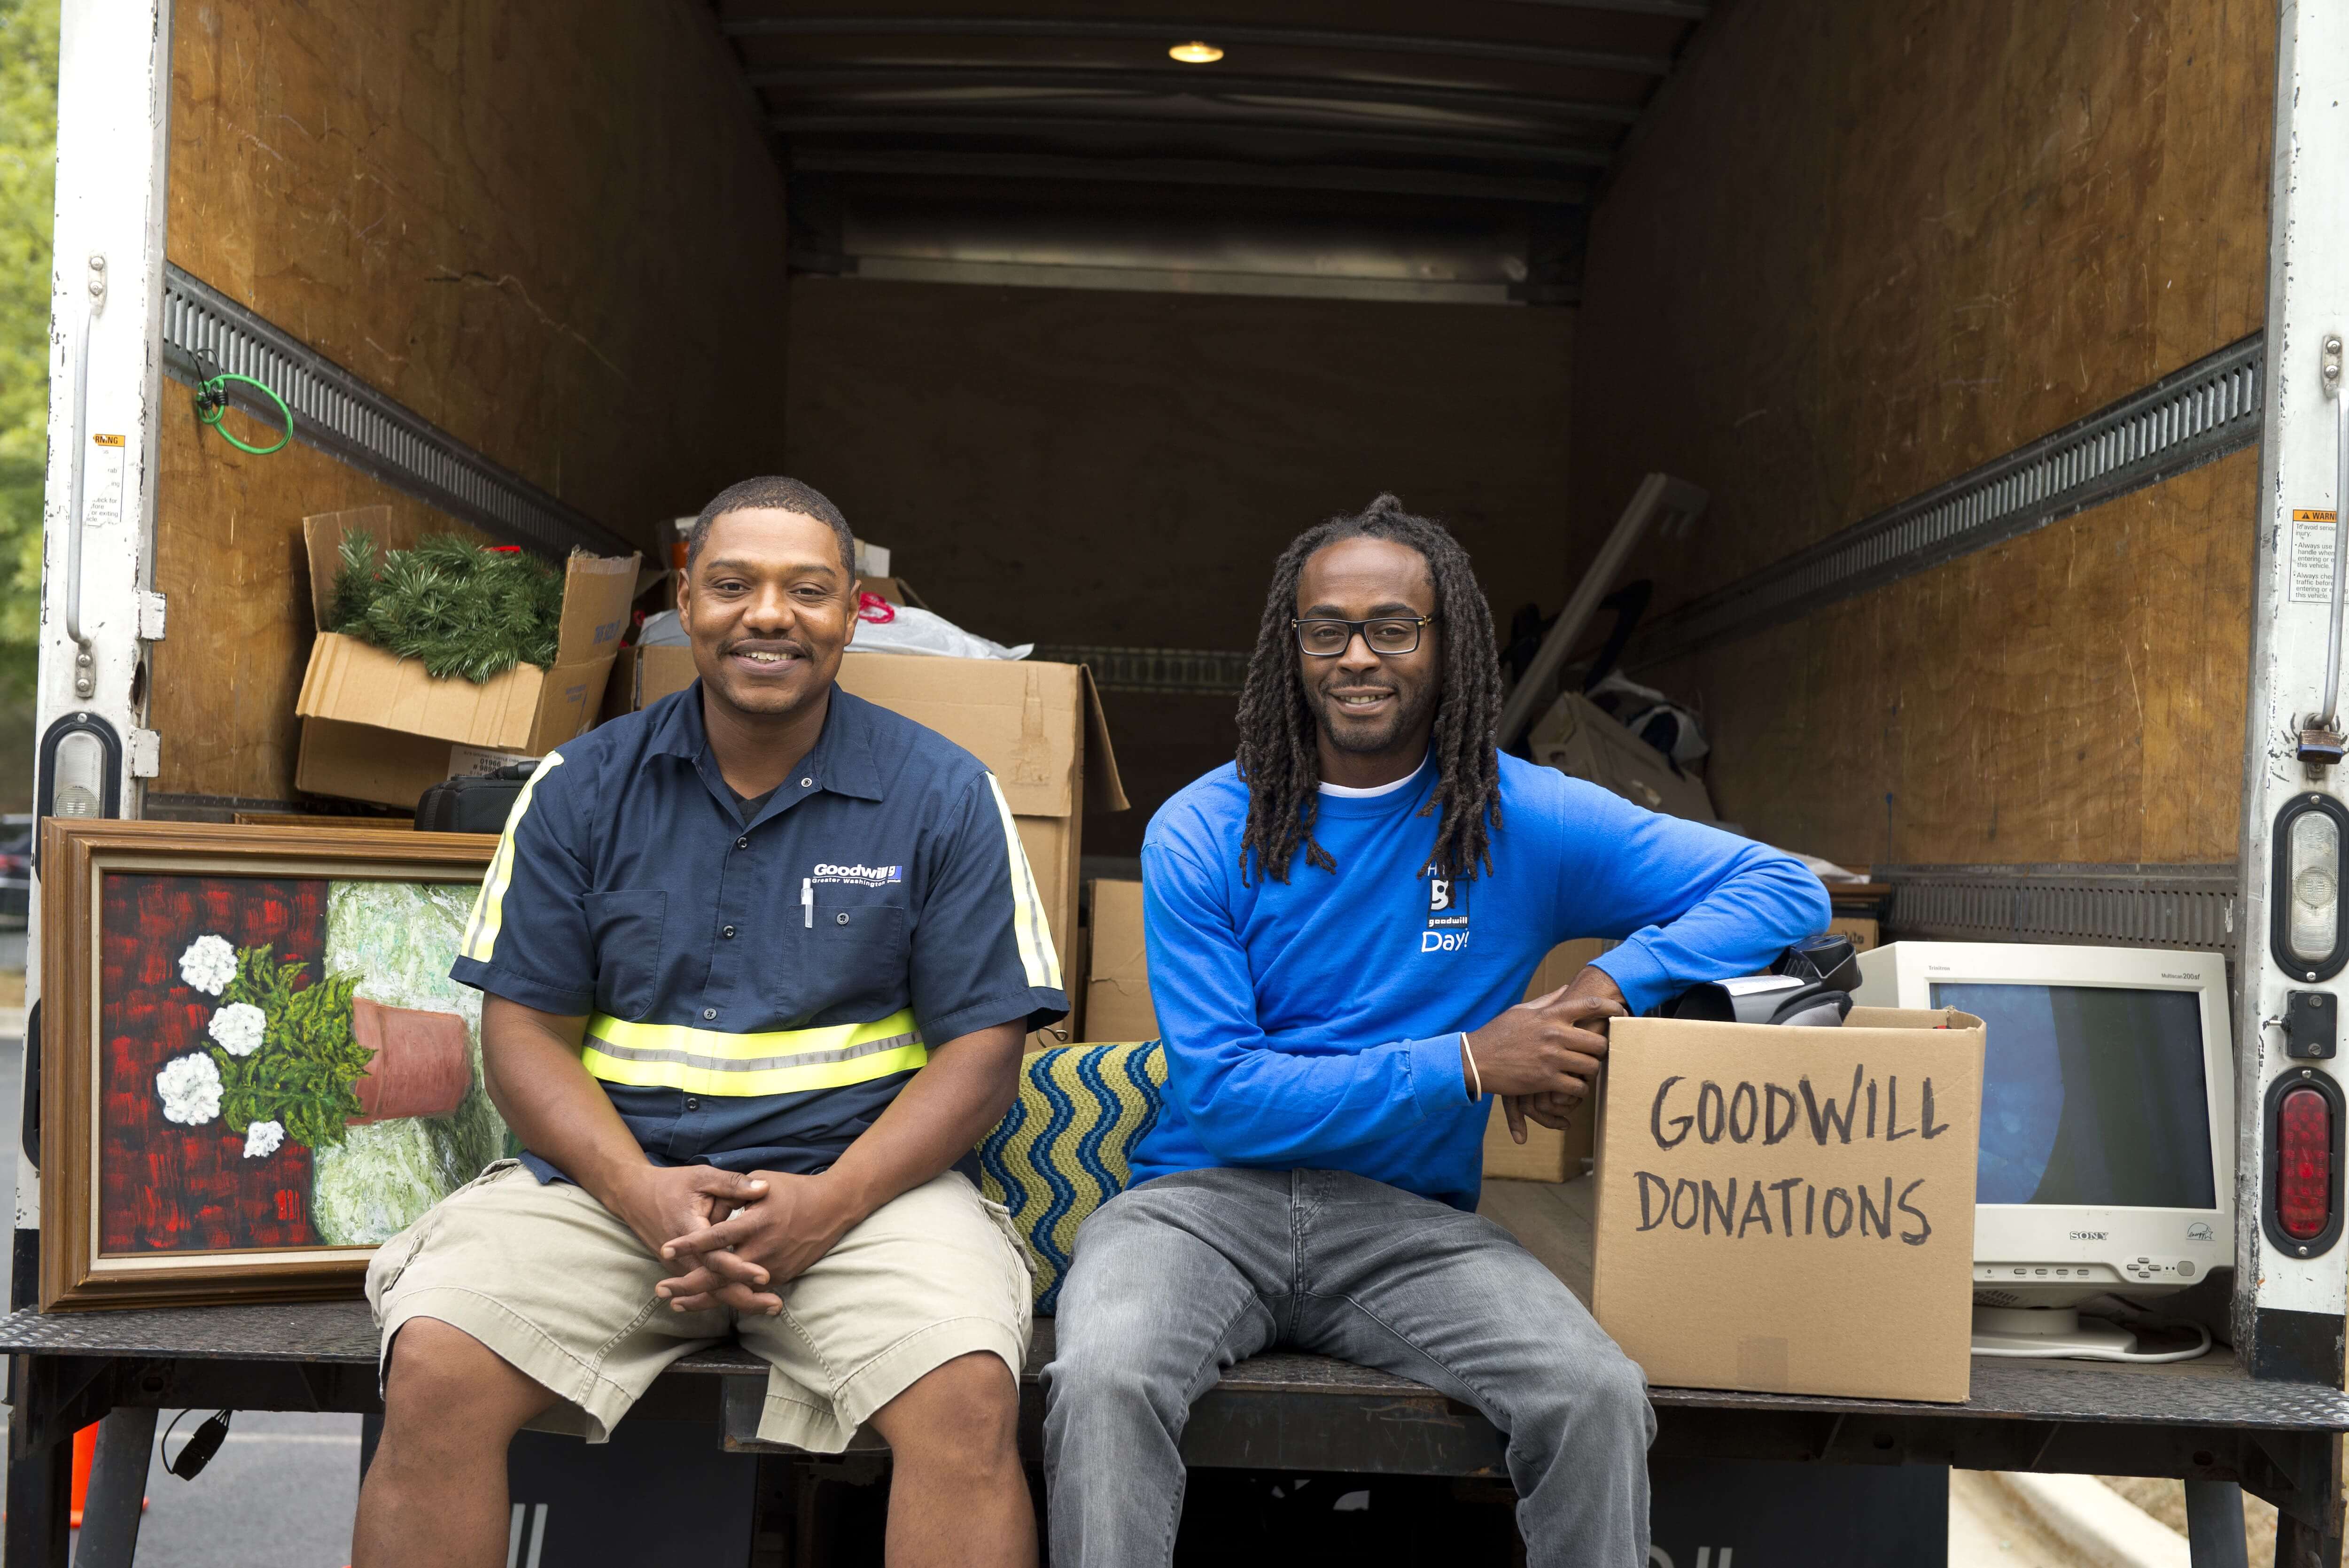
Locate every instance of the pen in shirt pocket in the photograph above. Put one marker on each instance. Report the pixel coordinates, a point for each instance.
(807, 901)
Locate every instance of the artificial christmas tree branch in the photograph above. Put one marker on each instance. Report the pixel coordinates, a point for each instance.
(461, 608)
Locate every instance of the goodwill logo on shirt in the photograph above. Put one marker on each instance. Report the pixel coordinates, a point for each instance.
(1447, 916)
(861, 875)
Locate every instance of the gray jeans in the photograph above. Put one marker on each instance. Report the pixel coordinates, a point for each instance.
(1178, 1278)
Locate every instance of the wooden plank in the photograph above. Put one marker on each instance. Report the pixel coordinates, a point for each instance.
(553, 227)
(2075, 695)
(535, 224)
(229, 561)
(1859, 250)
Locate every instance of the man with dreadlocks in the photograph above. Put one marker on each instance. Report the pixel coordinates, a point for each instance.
(1338, 926)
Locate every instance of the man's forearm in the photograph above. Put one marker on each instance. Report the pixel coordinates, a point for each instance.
(551, 1102)
(935, 1121)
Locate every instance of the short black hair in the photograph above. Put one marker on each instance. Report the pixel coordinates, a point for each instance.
(772, 493)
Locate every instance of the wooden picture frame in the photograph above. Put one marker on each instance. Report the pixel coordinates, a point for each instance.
(186, 1229)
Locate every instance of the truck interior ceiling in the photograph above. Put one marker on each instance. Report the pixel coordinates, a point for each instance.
(1085, 310)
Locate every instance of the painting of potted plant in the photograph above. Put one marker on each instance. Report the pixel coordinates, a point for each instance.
(297, 1062)
(260, 1070)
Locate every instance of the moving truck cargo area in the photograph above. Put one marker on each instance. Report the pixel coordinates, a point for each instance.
(1909, 435)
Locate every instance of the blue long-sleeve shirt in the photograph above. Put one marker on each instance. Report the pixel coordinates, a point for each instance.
(1316, 1023)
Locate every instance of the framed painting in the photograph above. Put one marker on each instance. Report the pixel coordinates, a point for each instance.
(254, 1068)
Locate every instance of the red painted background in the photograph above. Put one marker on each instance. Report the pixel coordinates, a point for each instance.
(164, 1187)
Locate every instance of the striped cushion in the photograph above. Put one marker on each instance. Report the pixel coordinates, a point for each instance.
(1066, 1146)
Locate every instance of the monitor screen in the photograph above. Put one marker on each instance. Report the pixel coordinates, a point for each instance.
(2091, 1094)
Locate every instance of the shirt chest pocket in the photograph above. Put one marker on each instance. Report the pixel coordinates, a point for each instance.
(627, 929)
(843, 961)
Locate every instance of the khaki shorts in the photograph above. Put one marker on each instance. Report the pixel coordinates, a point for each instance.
(552, 1281)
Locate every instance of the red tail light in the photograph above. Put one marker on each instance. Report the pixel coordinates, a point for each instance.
(2303, 1197)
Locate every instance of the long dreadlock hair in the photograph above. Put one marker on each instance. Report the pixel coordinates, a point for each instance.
(1278, 752)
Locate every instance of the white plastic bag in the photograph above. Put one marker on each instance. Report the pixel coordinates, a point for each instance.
(886, 628)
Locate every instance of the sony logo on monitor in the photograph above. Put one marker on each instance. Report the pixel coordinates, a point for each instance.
(2088, 1235)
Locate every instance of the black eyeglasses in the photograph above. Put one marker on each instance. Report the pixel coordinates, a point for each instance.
(1388, 635)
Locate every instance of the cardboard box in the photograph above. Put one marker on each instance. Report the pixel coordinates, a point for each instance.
(1578, 738)
(1117, 984)
(1546, 1155)
(1865, 933)
(360, 762)
(1039, 729)
(1792, 1211)
(526, 709)
(642, 676)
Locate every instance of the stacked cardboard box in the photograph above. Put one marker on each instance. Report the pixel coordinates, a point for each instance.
(1117, 979)
(376, 728)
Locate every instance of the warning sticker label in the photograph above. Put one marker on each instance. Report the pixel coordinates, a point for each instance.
(2311, 556)
(101, 503)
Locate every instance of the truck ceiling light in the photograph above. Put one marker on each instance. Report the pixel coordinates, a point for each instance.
(2306, 932)
(1195, 53)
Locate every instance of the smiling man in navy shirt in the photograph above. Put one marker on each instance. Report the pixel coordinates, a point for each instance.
(759, 963)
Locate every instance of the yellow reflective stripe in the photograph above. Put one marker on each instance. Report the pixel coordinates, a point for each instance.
(489, 905)
(778, 1061)
(1037, 954)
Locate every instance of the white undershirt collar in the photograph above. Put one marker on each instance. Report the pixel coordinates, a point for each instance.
(1347, 792)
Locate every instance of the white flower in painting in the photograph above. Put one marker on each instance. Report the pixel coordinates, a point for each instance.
(262, 1139)
(238, 1027)
(190, 1087)
(209, 965)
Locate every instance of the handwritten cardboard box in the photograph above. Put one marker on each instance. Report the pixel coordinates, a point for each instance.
(1791, 1211)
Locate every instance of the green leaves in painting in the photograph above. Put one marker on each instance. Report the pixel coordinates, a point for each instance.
(301, 1078)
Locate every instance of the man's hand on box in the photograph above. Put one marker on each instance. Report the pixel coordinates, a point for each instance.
(1542, 1055)
(767, 1242)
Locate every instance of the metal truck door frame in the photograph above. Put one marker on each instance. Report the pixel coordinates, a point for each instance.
(105, 368)
(2288, 1307)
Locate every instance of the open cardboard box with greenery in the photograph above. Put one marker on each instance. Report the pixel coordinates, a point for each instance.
(378, 728)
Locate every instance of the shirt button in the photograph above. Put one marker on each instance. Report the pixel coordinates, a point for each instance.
(693, 1105)
(728, 932)
(710, 1012)
(842, 918)
(807, 783)
(741, 843)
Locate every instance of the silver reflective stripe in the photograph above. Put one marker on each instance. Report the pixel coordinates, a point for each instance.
(755, 1064)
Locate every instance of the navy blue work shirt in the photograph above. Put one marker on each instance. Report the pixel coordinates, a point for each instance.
(758, 989)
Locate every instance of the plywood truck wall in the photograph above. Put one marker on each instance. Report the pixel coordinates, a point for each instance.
(1862, 249)
(545, 225)
(1069, 466)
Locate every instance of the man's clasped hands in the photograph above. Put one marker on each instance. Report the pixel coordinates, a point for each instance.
(727, 1236)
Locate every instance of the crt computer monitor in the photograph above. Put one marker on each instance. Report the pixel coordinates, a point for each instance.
(2108, 1111)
